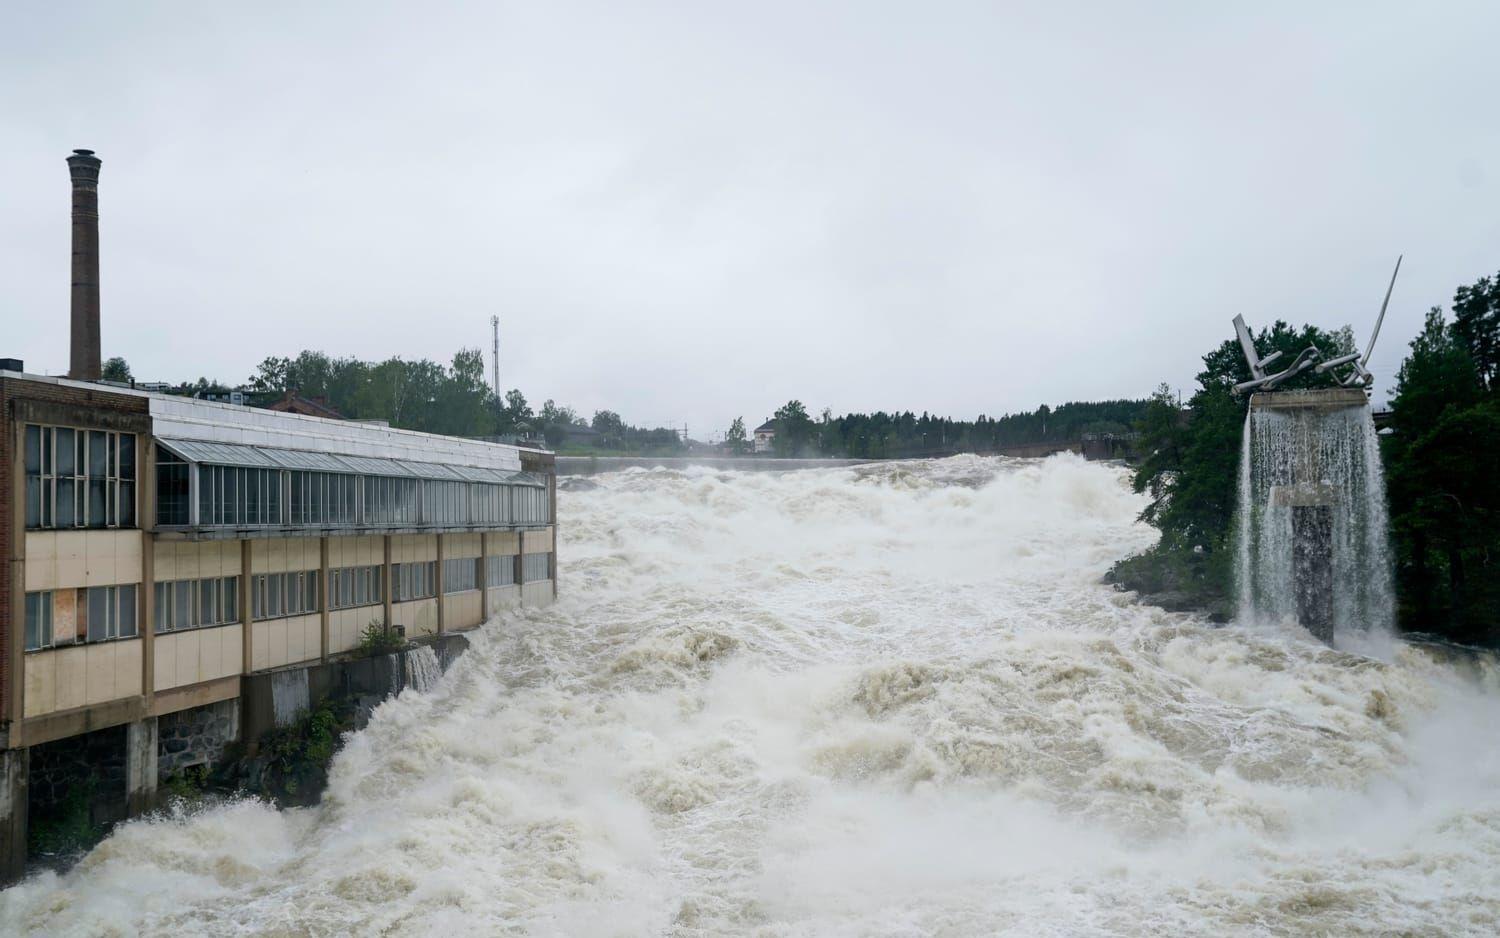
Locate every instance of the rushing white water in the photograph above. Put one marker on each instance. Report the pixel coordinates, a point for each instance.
(889, 701)
(1337, 454)
(422, 668)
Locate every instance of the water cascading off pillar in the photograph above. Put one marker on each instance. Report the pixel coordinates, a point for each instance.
(1312, 540)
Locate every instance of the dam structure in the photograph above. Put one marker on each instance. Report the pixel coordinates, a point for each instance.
(182, 574)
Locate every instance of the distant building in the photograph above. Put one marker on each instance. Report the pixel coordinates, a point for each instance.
(765, 437)
(293, 403)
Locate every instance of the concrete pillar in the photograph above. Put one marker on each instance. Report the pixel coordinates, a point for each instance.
(1312, 568)
(484, 576)
(15, 769)
(140, 766)
(389, 584)
(520, 574)
(442, 591)
(325, 601)
(247, 627)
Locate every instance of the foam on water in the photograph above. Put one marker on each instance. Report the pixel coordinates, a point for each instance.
(891, 700)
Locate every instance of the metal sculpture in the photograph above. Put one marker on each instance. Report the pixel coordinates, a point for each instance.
(1311, 357)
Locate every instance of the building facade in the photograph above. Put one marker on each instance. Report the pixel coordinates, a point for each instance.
(765, 437)
(162, 549)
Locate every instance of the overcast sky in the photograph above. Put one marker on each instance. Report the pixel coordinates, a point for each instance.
(693, 211)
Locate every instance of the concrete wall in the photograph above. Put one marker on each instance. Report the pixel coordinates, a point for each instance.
(81, 675)
(292, 640)
(346, 625)
(361, 551)
(196, 655)
(420, 616)
(283, 555)
(196, 560)
(462, 610)
(537, 593)
(460, 545)
(503, 598)
(539, 542)
(414, 548)
(66, 559)
(504, 544)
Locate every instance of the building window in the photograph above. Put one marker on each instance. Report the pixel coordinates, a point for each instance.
(355, 586)
(38, 620)
(532, 505)
(414, 581)
(68, 617)
(79, 478)
(502, 571)
(460, 574)
(536, 567)
(391, 501)
(172, 488)
(106, 612)
(323, 498)
(191, 604)
(237, 496)
(274, 595)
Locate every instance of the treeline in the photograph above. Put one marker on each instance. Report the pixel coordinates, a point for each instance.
(1442, 465)
(423, 395)
(456, 400)
(882, 435)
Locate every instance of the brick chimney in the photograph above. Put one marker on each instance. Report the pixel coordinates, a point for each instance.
(83, 363)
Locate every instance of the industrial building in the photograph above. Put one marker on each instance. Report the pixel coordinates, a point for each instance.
(162, 550)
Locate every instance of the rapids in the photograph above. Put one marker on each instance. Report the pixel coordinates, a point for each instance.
(889, 700)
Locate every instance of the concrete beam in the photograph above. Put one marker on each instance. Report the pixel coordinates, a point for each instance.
(1321, 399)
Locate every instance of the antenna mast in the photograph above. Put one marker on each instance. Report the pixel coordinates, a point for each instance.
(495, 351)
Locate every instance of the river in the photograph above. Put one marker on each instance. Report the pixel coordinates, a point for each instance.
(885, 700)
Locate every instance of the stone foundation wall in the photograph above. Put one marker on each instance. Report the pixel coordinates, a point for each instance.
(197, 736)
(92, 759)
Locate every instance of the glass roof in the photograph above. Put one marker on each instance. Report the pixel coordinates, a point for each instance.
(261, 457)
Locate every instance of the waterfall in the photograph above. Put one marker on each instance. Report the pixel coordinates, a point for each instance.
(422, 668)
(1326, 465)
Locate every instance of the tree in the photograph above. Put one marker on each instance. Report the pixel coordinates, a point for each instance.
(1476, 322)
(516, 415)
(116, 370)
(794, 430)
(1191, 469)
(610, 428)
(735, 439)
(1442, 458)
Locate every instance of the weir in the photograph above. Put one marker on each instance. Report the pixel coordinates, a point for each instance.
(1311, 531)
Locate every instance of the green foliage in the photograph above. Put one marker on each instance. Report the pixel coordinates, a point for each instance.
(1443, 460)
(736, 439)
(297, 756)
(1190, 469)
(794, 431)
(882, 435)
(1476, 323)
(116, 369)
(68, 829)
(188, 785)
(376, 639)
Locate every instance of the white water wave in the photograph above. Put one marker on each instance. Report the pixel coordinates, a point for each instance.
(892, 700)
